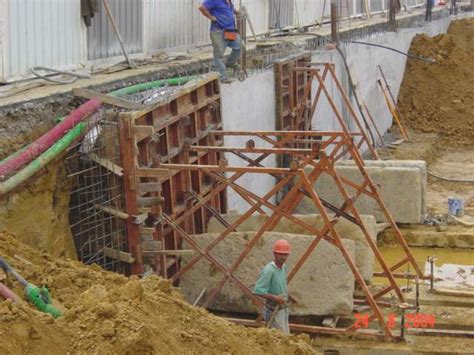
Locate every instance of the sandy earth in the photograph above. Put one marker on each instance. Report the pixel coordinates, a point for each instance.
(437, 103)
(109, 313)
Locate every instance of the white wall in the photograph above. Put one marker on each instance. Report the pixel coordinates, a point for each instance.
(249, 106)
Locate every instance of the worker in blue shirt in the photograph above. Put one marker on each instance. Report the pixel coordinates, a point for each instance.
(223, 34)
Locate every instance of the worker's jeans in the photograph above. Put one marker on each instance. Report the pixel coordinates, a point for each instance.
(280, 321)
(429, 9)
(219, 44)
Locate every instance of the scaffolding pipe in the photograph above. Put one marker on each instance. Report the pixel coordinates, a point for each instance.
(49, 138)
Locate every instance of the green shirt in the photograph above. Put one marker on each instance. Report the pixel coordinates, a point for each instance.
(273, 280)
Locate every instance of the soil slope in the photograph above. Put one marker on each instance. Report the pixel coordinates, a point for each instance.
(439, 97)
(109, 313)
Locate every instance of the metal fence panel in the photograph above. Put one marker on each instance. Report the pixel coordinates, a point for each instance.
(102, 42)
(47, 33)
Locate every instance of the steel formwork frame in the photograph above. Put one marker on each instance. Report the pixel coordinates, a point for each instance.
(313, 73)
(306, 167)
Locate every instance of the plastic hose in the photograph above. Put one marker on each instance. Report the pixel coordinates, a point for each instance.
(48, 139)
(48, 156)
(72, 135)
(9, 270)
(8, 294)
(39, 296)
(130, 90)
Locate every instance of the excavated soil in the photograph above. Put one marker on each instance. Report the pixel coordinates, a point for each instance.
(437, 103)
(109, 313)
(439, 97)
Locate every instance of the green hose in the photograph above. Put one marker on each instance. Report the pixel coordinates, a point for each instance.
(44, 159)
(73, 134)
(41, 299)
(130, 90)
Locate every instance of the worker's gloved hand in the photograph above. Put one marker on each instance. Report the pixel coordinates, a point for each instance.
(41, 299)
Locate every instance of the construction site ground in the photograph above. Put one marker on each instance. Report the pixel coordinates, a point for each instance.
(109, 313)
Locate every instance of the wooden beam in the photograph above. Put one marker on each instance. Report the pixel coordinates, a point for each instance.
(171, 252)
(150, 201)
(106, 99)
(442, 332)
(117, 170)
(145, 187)
(153, 173)
(119, 255)
(147, 230)
(142, 132)
(456, 293)
(112, 211)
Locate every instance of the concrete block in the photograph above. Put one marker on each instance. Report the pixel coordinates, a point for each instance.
(417, 164)
(402, 188)
(364, 257)
(323, 286)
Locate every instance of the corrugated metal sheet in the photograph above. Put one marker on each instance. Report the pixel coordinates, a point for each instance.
(102, 42)
(176, 23)
(376, 5)
(258, 11)
(281, 13)
(47, 33)
(307, 12)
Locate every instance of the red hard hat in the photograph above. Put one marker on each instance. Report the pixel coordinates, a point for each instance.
(281, 246)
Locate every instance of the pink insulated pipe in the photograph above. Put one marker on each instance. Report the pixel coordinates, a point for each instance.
(8, 294)
(49, 138)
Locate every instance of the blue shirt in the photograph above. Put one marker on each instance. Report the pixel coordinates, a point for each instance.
(223, 12)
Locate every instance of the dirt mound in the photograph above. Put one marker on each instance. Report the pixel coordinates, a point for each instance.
(439, 97)
(110, 313)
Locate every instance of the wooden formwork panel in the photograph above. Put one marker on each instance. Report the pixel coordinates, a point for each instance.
(290, 93)
(161, 135)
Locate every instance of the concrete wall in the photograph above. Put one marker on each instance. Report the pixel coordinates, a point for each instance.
(249, 106)
(363, 61)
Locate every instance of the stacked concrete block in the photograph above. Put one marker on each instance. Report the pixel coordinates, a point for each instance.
(323, 286)
(402, 186)
(364, 257)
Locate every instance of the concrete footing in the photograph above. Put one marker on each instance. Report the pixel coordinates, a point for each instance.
(402, 185)
(323, 286)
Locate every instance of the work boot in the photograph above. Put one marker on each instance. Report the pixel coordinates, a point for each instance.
(227, 81)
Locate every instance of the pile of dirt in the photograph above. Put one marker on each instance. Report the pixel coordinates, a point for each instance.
(106, 312)
(439, 97)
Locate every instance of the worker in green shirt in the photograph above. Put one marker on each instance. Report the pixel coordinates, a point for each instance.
(272, 285)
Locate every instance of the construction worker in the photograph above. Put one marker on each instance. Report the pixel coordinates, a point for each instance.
(272, 285)
(223, 34)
